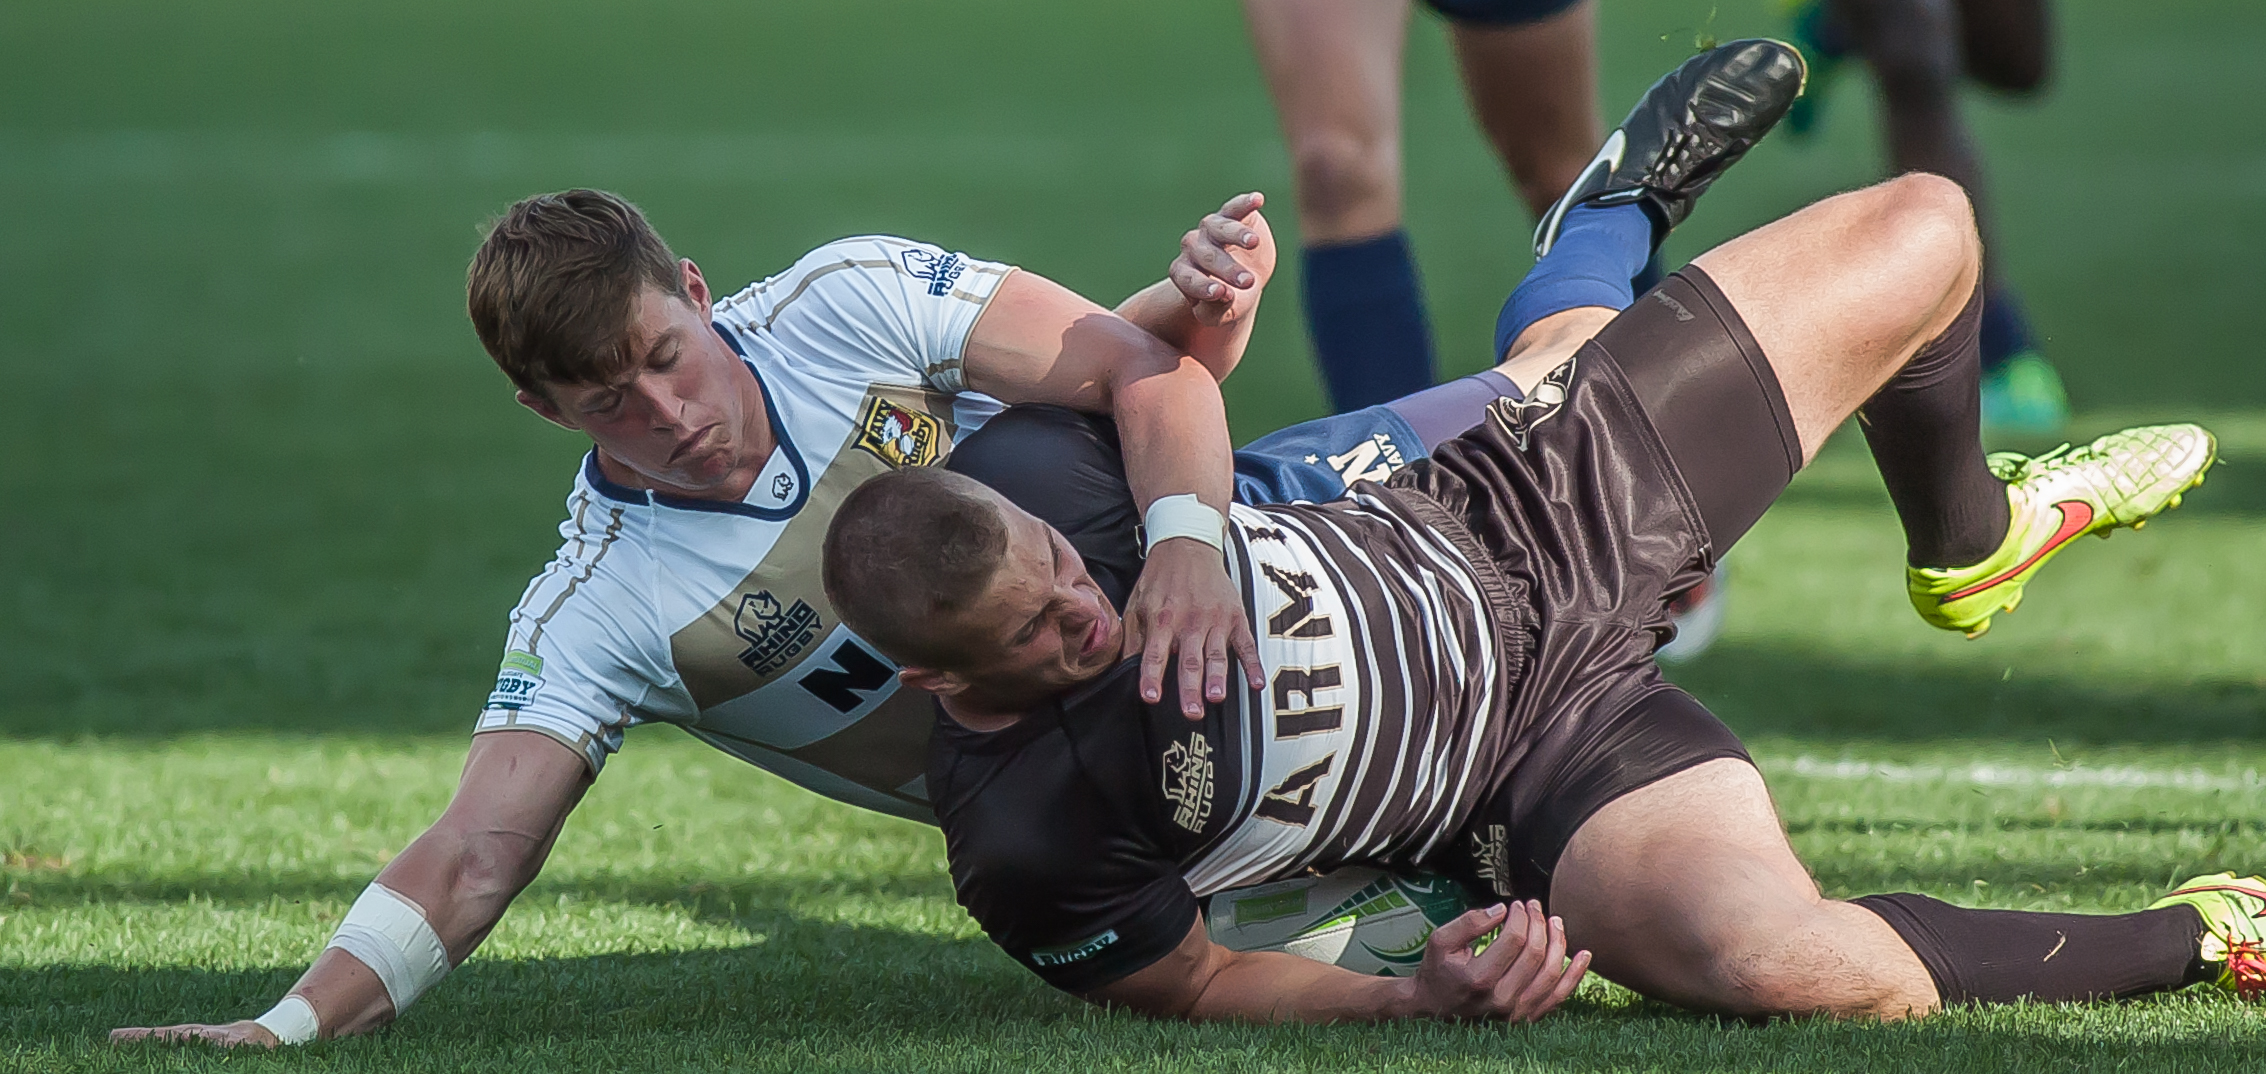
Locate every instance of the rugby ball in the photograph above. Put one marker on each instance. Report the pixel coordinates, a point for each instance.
(1365, 920)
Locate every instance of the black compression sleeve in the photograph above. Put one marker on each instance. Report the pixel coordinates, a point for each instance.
(1999, 956)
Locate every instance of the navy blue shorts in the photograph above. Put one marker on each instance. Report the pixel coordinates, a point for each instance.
(1499, 12)
(1316, 461)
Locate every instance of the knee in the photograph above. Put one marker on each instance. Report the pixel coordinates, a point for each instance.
(1347, 184)
(1928, 222)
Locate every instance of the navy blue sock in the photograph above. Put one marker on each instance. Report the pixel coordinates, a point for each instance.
(1598, 255)
(2006, 332)
(1367, 318)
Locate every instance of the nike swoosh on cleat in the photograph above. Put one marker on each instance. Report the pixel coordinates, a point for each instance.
(2073, 523)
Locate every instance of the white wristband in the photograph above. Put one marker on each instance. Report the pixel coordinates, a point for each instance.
(292, 1021)
(1182, 516)
(391, 936)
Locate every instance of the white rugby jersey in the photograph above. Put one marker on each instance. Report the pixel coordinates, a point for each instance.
(711, 615)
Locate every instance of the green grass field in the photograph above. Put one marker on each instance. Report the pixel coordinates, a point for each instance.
(264, 505)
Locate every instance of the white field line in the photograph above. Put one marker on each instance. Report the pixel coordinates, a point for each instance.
(1992, 774)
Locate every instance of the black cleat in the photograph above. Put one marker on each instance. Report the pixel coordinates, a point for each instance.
(1696, 121)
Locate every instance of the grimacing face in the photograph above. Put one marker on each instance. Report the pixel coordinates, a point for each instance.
(680, 419)
(1042, 626)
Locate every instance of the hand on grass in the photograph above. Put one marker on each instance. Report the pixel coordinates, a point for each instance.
(1522, 976)
(227, 1036)
(1185, 602)
(1225, 262)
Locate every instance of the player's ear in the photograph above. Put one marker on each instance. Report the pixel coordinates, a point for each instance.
(548, 410)
(696, 286)
(940, 683)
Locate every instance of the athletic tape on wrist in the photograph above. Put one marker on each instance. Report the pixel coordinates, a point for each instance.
(292, 1021)
(391, 936)
(1182, 516)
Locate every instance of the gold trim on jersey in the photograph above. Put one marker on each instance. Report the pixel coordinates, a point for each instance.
(776, 625)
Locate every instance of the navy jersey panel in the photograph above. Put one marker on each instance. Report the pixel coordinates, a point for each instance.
(1296, 465)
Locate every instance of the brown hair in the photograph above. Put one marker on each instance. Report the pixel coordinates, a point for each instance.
(907, 547)
(554, 286)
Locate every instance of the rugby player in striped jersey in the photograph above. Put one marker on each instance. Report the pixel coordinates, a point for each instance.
(1459, 658)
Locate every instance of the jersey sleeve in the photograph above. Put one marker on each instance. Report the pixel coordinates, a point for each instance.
(580, 663)
(1053, 873)
(889, 310)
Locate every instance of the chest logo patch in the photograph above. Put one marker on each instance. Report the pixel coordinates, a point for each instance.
(774, 634)
(1519, 417)
(899, 436)
(1188, 781)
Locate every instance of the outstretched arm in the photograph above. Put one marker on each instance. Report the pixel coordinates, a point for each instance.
(1209, 297)
(1520, 977)
(515, 794)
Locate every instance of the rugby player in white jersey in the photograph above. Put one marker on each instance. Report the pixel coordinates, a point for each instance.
(724, 433)
(687, 587)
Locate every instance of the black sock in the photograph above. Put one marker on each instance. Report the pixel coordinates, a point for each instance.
(1999, 956)
(1925, 427)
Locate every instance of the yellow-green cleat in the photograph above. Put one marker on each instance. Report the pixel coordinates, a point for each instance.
(2122, 479)
(2234, 927)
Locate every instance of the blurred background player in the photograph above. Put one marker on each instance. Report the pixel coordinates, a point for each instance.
(1529, 68)
(1918, 51)
(1334, 69)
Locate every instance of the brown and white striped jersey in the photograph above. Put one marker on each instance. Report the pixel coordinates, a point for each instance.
(1081, 837)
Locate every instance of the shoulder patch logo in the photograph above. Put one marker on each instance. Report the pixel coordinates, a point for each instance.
(898, 435)
(940, 272)
(1188, 781)
(517, 680)
(1518, 417)
(774, 635)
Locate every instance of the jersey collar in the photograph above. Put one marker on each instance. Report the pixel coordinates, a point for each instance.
(613, 490)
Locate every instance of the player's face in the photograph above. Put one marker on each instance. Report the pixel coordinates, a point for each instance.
(1044, 625)
(681, 418)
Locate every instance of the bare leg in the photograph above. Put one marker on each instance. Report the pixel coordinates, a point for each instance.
(1334, 67)
(1841, 294)
(1547, 343)
(1534, 90)
(1914, 49)
(1721, 916)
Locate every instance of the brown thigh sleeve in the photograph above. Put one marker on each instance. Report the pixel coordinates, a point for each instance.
(1713, 398)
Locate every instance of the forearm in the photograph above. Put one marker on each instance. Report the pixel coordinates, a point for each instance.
(1162, 311)
(1174, 430)
(461, 895)
(1269, 986)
